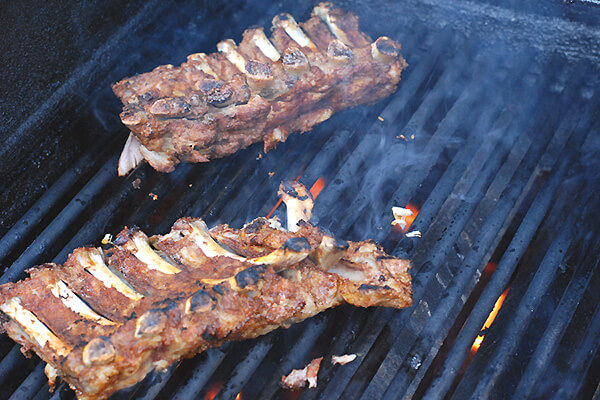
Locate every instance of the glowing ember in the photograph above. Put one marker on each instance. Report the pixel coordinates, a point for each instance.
(488, 322)
(213, 390)
(317, 187)
(239, 396)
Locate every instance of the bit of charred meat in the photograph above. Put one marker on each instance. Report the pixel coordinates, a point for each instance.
(343, 359)
(106, 318)
(262, 89)
(298, 378)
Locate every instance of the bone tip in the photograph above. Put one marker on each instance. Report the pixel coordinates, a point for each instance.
(296, 245)
(226, 45)
(259, 70)
(125, 235)
(340, 244)
(388, 46)
(337, 50)
(98, 351)
(283, 19)
(199, 302)
(323, 8)
(294, 189)
(294, 58)
(151, 323)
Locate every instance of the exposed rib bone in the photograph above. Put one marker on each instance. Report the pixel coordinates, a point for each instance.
(72, 301)
(201, 63)
(330, 251)
(229, 49)
(200, 236)
(290, 26)
(298, 201)
(92, 261)
(323, 12)
(261, 41)
(291, 252)
(52, 374)
(131, 156)
(33, 327)
(139, 246)
(384, 49)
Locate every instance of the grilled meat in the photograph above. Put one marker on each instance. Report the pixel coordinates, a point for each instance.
(107, 317)
(260, 90)
(298, 378)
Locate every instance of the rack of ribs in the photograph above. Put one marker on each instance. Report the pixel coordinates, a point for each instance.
(108, 317)
(260, 90)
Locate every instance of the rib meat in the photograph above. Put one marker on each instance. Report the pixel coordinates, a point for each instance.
(107, 317)
(260, 90)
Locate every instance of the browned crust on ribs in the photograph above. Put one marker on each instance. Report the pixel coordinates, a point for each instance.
(208, 107)
(211, 300)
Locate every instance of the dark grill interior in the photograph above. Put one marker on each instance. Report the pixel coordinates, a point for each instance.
(503, 168)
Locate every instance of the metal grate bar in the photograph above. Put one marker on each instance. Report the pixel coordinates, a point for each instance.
(470, 269)
(533, 293)
(555, 329)
(333, 385)
(31, 385)
(75, 207)
(32, 218)
(246, 367)
(497, 284)
(580, 359)
(201, 374)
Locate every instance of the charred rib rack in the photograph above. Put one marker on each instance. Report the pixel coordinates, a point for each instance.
(260, 90)
(106, 318)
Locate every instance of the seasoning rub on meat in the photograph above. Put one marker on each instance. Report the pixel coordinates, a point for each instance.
(107, 317)
(260, 90)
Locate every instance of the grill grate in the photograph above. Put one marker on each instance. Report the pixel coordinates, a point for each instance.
(501, 168)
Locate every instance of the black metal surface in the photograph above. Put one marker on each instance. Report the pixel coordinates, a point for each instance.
(503, 167)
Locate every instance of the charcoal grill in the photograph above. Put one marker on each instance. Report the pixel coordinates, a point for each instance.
(492, 137)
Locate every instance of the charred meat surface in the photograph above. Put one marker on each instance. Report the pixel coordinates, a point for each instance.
(107, 317)
(260, 90)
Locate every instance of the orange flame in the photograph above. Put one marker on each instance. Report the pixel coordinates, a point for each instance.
(411, 218)
(317, 187)
(239, 396)
(488, 322)
(213, 390)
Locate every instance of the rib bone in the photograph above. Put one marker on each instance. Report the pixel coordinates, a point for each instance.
(139, 246)
(98, 351)
(384, 49)
(330, 251)
(290, 26)
(72, 301)
(201, 63)
(229, 49)
(33, 327)
(299, 203)
(92, 261)
(131, 156)
(323, 11)
(200, 236)
(291, 252)
(261, 41)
